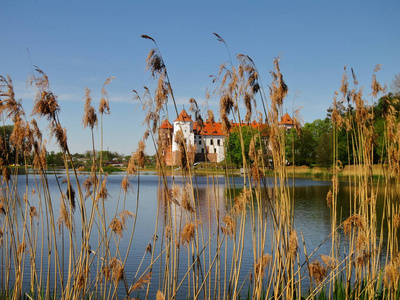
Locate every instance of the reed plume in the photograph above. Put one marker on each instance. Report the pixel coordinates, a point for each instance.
(278, 89)
(262, 263)
(104, 105)
(185, 200)
(154, 61)
(353, 221)
(317, 271)
(118, 224)
(293, 245)
(392, 272)
(64, 218)
(117, 270)
(187, 234)
(141, 282)
(125, 184)
(139, 155)
(46, 104)
(89, 117)
(71, 196)
(103, 192)
(160, 296)
(230, 226)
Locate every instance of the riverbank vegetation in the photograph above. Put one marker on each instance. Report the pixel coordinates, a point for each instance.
(81, 240)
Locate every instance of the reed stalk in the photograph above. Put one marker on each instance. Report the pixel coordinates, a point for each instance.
(84, 252)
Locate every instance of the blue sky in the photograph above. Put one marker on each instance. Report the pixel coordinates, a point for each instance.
(79, 44)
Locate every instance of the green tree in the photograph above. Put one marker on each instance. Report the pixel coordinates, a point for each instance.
(395, 86)
(343, 138)
(322, 134)
(325, 149)
(7, 152)
(386, 105)
(55, 159)
(301, 149)
(318, 128)
(233, 145)
(150, 160)
(381, 108)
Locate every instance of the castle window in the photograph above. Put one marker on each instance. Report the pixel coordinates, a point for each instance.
(199, 142)
(202, 150)
(218, 142)
(211, 142)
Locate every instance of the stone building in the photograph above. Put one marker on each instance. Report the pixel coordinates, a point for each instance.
(208, 142)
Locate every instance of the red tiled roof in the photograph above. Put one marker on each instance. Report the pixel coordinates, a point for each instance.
(196, 127)
(286, 120)
(254, 125)
(212, 129)
(216, 128)
(184, 117)
(166, 125)
(257, 126)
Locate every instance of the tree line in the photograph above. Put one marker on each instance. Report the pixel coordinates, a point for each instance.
(10, 156)
(312, 145)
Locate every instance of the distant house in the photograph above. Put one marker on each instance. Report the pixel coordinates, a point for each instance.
(287, 122)
(209, 140)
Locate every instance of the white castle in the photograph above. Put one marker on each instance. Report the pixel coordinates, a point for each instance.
(209, 140)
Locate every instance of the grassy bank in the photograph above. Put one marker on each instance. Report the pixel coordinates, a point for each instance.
(346, 172)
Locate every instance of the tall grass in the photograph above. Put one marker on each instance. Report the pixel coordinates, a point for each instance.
(73, 251)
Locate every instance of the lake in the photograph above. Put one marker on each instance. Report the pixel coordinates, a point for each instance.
(213, 200)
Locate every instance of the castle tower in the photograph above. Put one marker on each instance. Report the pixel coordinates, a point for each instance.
(286, 122)
(183, 122)
(165, 135)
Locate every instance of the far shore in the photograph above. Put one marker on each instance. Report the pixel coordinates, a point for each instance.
(295, 171)
(212, 169)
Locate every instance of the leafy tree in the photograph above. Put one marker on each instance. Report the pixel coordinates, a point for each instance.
(381, 108)
(318, 128)
(106, 155)
(78, 155)
(301, 149)
(380, 149)
(55, 159)
(343, 140)
(325, 149)
(341, 108)
(234, 148)
(395, 86)
(150, 160)
(88, 154)
(7, 152)
(388, 104)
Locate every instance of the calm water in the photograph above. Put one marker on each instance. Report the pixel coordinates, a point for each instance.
(311, 215)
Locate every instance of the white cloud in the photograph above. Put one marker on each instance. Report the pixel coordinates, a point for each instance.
(70, 97)
(24, 91)
(123, 97)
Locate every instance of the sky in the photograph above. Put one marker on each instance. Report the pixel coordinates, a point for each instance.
(79, 44)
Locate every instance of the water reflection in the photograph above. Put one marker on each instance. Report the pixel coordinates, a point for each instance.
(211, 198)
(207, 205)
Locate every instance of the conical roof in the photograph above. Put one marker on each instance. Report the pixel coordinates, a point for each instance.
(166, 125)
(286, 120)
(184, 117)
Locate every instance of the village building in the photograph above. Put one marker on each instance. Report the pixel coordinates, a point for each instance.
(209, 141)
(286, 122)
